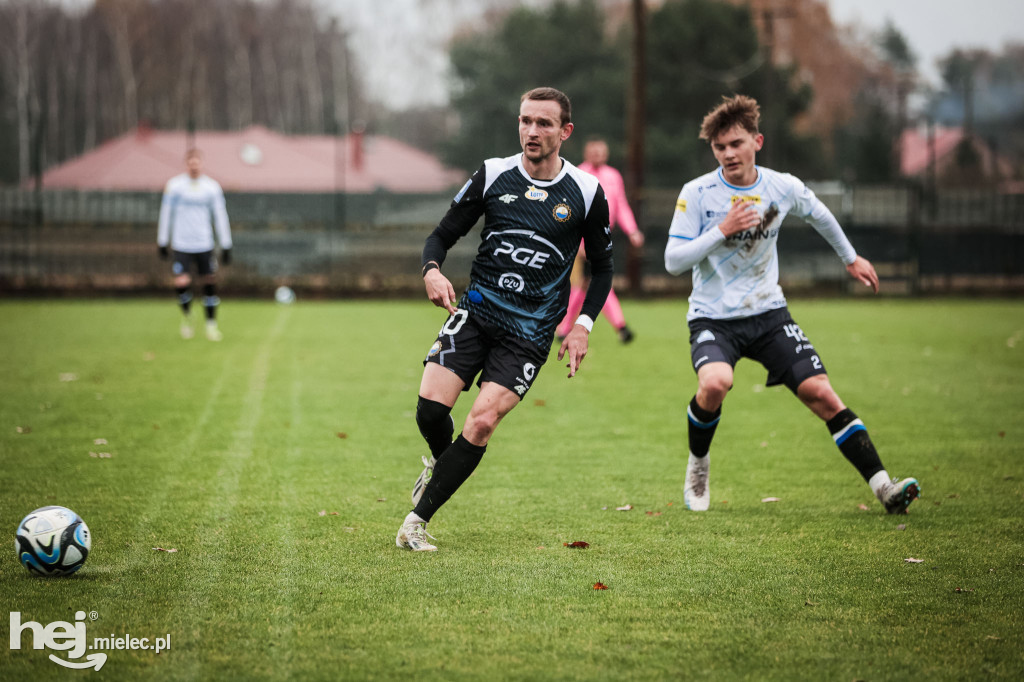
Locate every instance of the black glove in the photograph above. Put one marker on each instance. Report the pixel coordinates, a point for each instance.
(225, 256)
(163, 252)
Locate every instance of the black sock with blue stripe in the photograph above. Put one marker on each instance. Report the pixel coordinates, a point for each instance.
(853, 441)
(702, 427)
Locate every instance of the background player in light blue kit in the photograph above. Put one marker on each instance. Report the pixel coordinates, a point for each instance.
(536, 207)
(725, 228)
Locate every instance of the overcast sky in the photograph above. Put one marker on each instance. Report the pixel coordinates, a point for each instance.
(934, 27)
(407, 38)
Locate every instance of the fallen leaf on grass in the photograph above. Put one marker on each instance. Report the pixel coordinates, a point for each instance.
(322, 512)
(808, 602)
(992, 637)
(161, 549)
(539, 403)
(342, 435)
(68, 376)
(960, 589)
(1002, 434)
(23, 429)
(625, 507)
(902, 526)
(382, 499)
(862, 507)
(100, 441)
(579, 544)
(771, 499)
(101, 455)
(600, 586)
(912, 560)
(653, 513)
(149, 356)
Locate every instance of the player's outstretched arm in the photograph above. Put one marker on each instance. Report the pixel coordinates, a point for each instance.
(863, 271)
(439, 290)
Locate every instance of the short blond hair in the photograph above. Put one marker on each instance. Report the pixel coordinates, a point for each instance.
(737, 110)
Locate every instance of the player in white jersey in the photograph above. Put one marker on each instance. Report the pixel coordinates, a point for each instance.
(189, 202)
(724, 229)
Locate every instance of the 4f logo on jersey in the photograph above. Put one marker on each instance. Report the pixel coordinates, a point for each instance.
(534, 194)
(523, 255)
(507, 198)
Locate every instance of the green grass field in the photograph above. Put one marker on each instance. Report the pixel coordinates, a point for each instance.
(231, 453)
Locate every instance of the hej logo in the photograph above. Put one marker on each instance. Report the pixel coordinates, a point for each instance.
(71, 637)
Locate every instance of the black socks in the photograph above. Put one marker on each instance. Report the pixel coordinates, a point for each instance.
(453, 467)
(702, 427)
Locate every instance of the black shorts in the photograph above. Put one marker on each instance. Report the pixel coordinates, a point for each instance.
(771, 338)
(467, 345)
(205, 262)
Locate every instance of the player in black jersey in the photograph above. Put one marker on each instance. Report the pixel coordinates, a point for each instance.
(536, 208)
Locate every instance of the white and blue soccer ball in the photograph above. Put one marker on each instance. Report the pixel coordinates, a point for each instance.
(52, 541)
(284, 295)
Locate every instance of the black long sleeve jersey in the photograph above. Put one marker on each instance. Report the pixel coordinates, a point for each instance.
(532, 230)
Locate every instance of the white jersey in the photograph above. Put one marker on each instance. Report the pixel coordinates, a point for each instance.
(185, 214)
(739, 276)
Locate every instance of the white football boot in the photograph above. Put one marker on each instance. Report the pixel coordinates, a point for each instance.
(897, 495)
(413, 535)
(212, 332)
(696, 492)
(186, 329)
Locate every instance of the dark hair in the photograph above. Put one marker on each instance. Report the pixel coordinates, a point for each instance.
(738, 110)
(554, 95)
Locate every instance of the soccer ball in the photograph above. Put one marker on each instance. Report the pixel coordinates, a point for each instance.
(284, 295)
(52, 541)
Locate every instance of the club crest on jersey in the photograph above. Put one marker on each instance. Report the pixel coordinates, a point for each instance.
(534, 194)
(435, 349)
(562, 213)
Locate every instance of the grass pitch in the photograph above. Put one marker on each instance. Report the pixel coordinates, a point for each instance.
(278, 463)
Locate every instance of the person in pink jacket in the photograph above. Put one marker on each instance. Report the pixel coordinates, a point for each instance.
(595, 162)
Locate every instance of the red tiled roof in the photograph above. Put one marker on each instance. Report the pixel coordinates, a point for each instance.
(914, 154)
(258, 160)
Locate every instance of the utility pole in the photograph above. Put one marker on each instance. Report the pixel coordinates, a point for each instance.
(771, 104)
(636, 124)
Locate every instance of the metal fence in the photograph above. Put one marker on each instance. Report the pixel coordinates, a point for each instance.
(61, 241)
